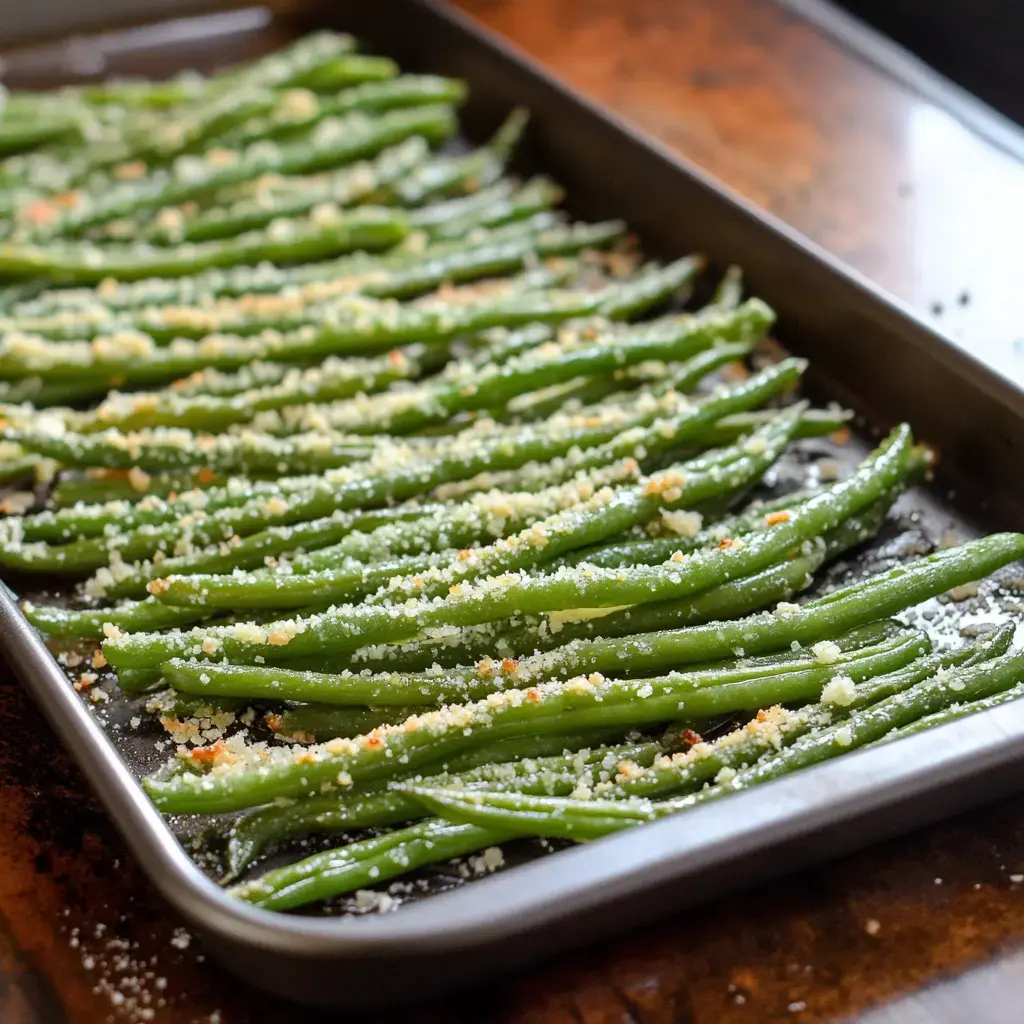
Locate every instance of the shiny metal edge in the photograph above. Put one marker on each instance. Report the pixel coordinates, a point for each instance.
(901, 64)
(543, 891)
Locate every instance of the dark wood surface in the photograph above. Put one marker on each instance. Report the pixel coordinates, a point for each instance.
(898, 188)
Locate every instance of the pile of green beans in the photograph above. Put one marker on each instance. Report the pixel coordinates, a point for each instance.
(405, 503)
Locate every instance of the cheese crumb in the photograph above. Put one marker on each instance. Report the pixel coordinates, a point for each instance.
(139, 479)
(381, 902)
(962, 593)
(839, 691)
(785, 608)
(843, 736)
(826, 652)
(683, 522)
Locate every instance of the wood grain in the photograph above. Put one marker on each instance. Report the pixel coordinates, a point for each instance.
(857, 161)
(893, 185)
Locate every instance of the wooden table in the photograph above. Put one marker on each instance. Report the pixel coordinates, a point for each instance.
(896, 186)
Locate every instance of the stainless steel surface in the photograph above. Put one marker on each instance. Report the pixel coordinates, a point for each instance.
(25, 22)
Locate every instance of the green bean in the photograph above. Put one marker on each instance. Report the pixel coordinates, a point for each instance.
(418, 530)
(426, 689)
(534, 635)
(575, 394)
(729, 293)
(239, 494)
(357, 323)
(254, 832)
(478, 521)
(169, 450)
(220, 384)
(14, 296)
(489, 257)
(813, 423)
(370, 97)
(88, 623)
(646, 550)
(393, 274)
(591, 819)
(42, 393)
(288, 67)
(439, 687)
(363, 864)
(757, 516)
(335, 141)
(260, 829)
(461, 391)
(101, 486)
(467, 172)
(885, 594)
(19, 136)
(952, 714)
(402, 473)
(139, 681)
(456, 218)
(689, 770)
(958, 684)
(268, 590)
(352, 325)
(164, 140)
(257, 507)
(549, 707)
(306, 722)
(525, 635)
(530, 407)
(248, 100)
(332, 380)
(325, 234)
(346, 628)
(451, 529)
(653, 440)
(729, 600)
(190, 133)
(16, 466)
(347, 69)
(606, 513)
(94, 553)
(179, 706)
(292, 198)
(91, 520)
(142, 100)
(184, 87)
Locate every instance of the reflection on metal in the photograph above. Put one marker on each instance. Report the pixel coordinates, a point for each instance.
(22, 23)
(902, 65)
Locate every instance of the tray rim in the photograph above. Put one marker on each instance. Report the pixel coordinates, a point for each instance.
(581, 877)
(562, 884)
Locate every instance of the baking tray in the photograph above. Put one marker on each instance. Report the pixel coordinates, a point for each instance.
(866, 351)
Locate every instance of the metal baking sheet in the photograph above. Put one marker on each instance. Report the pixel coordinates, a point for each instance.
(866, 351)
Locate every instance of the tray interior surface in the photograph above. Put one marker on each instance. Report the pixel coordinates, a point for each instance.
(966, 497)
